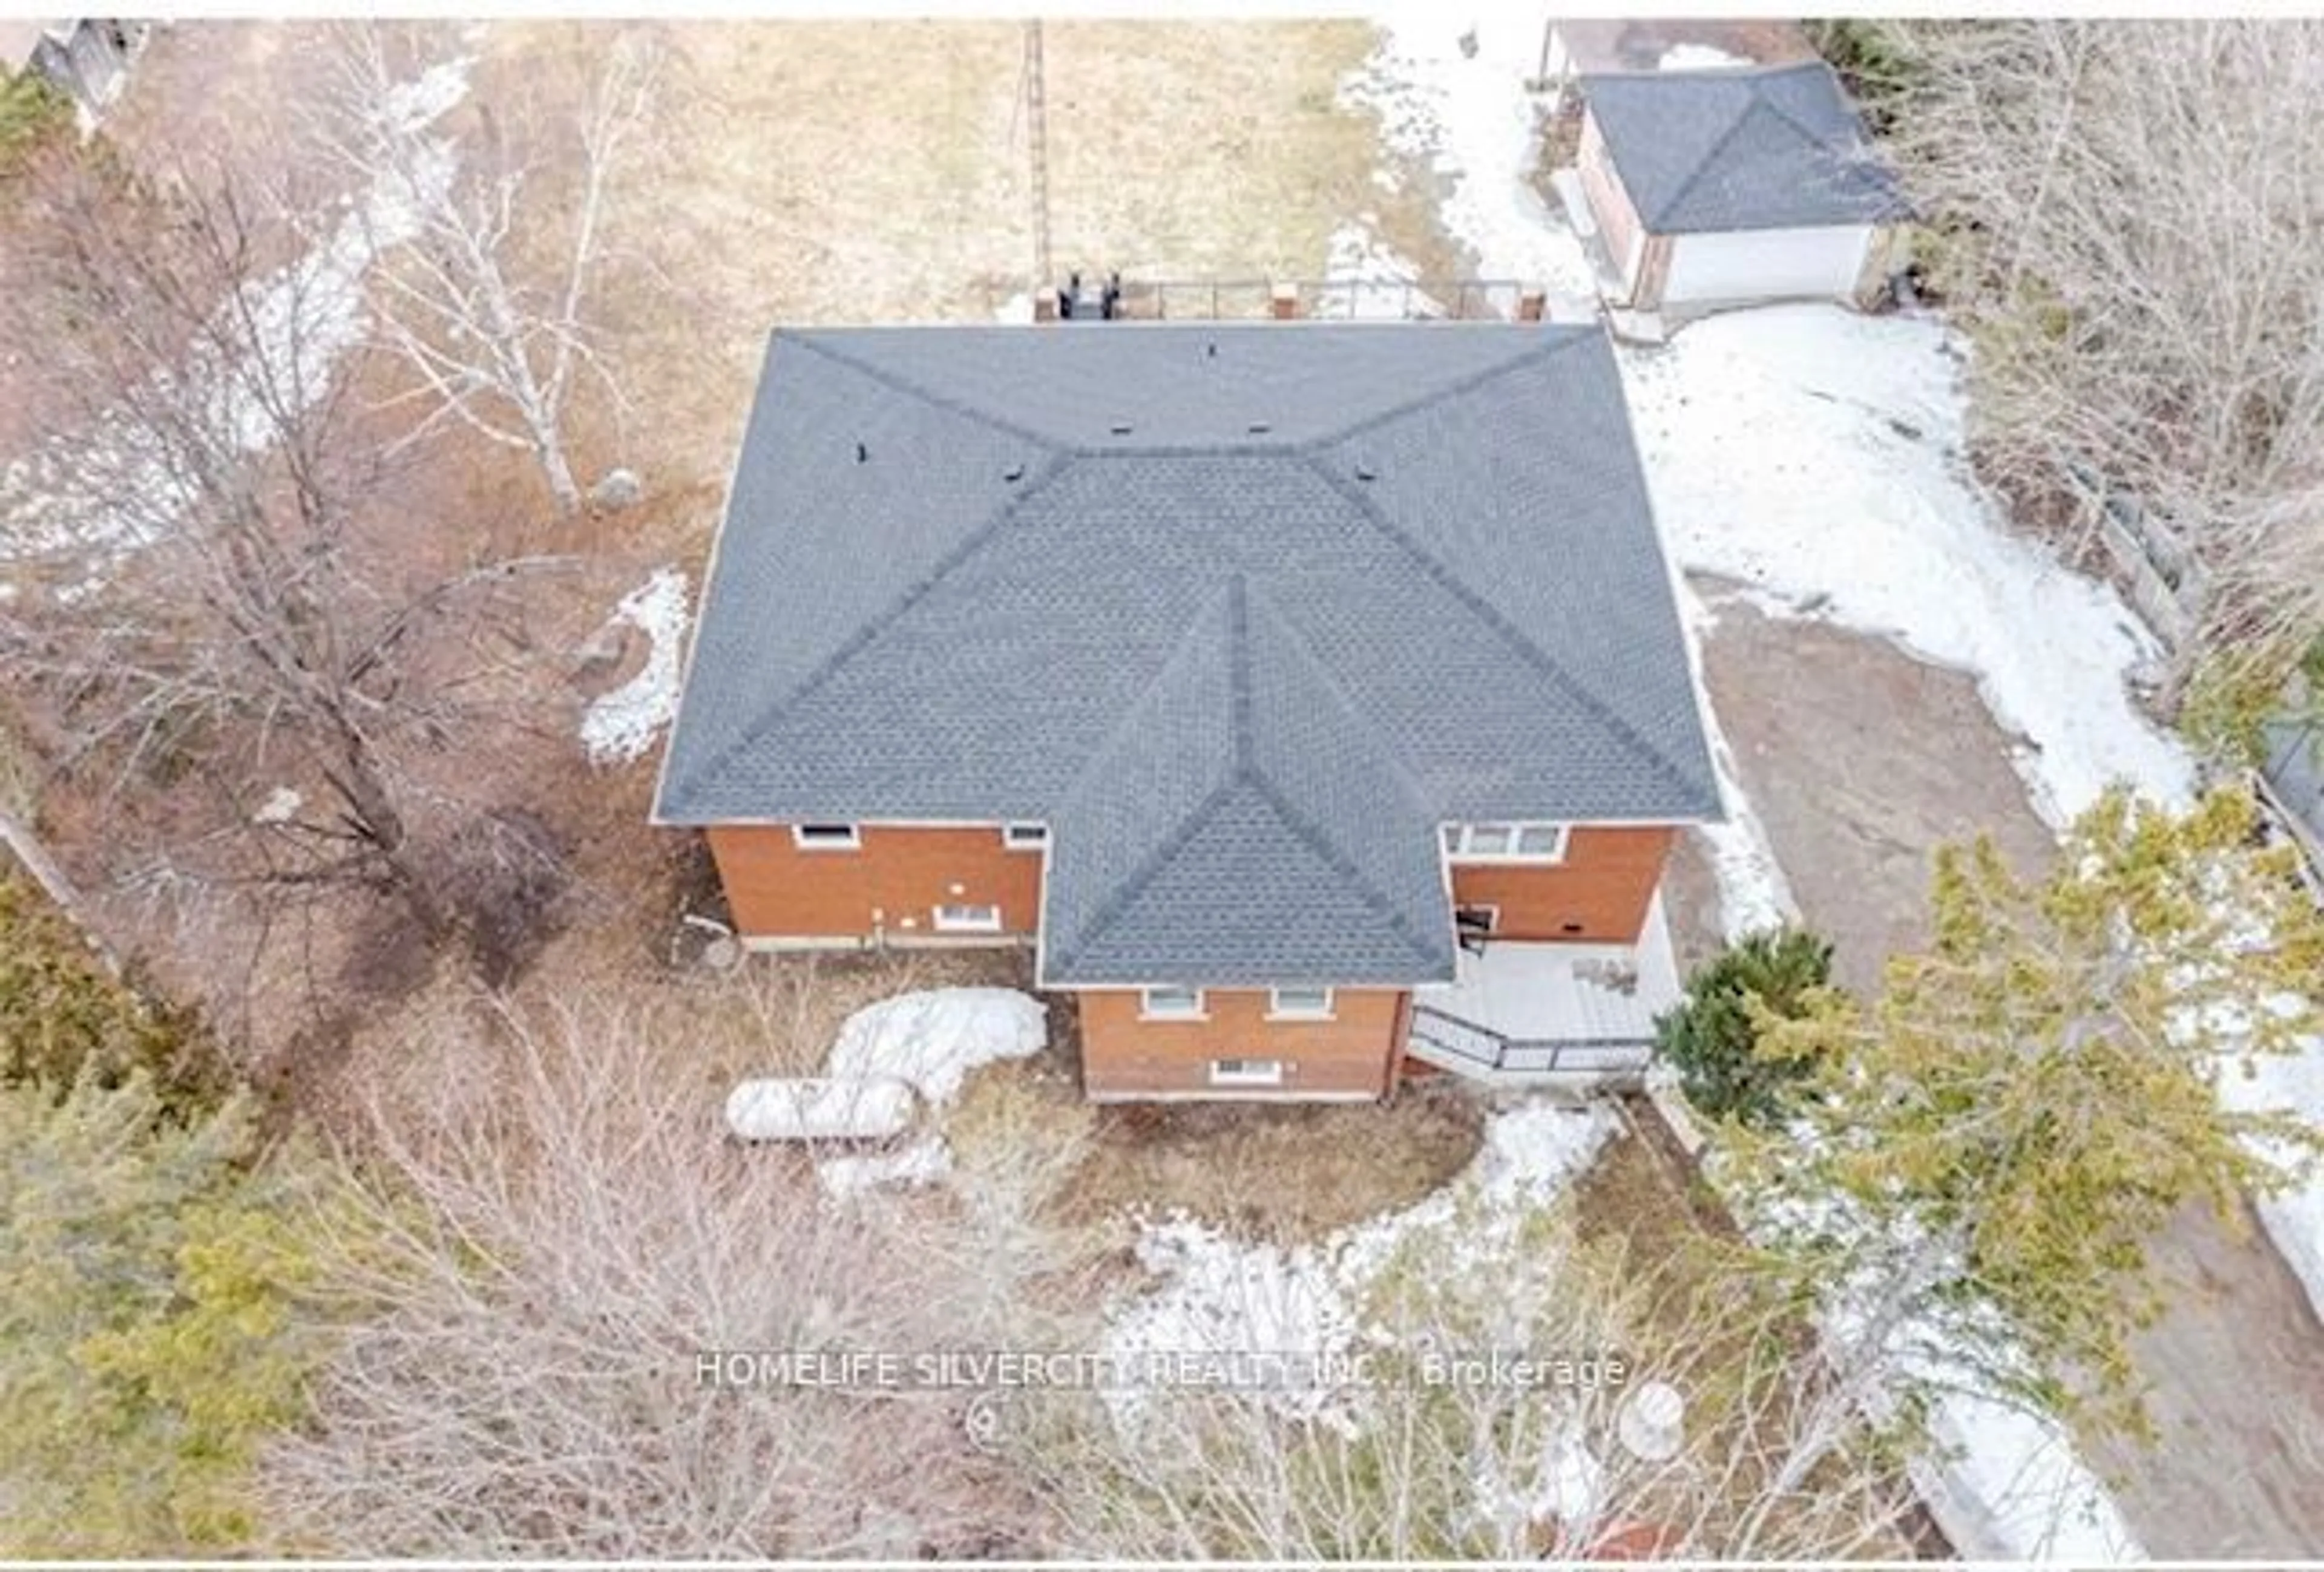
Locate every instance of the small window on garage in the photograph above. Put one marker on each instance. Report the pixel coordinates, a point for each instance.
(1024, 837)
(968, 919)
(1300, 1003)
(826, 837)
(1171, 1004)
(1245, 1073)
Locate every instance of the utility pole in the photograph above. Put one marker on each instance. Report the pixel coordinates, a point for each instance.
(1037, 136)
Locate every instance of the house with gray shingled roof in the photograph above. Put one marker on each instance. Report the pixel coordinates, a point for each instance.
(1729, 186)
(1310, 701)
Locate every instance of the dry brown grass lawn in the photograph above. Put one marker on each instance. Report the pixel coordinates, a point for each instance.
(1285, 1173)
(877, 172)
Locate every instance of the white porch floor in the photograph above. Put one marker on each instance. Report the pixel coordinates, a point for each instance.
(1548, 993)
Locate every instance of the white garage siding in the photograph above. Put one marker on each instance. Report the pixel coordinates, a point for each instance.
(1766, 264)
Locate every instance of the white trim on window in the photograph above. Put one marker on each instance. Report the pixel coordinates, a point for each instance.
(1169, 1002)
(1506, 840)
(966, 919)
(1247, 1071)
(1024, 837)
(827, 837)
(1316, 1006)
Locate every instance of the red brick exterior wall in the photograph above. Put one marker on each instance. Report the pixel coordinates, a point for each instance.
(1599, 894)
(1353, 1053)
(778, 889)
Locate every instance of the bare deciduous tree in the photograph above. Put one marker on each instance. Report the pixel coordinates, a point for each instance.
(486, 298)
(191, 590)
(2127, 216)
(1425, 1458)
(541, 1277)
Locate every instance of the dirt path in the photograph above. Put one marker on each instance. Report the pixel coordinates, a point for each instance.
(1859, 759)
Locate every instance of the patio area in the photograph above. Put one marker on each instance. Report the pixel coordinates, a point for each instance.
(1547, 1012)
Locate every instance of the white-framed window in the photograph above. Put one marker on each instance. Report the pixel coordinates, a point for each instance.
(968, 919)
(1505, 843)
(1299, 1004)
(826, 837)
(1170, 1004)
(1245, 1073)
(1024, 837)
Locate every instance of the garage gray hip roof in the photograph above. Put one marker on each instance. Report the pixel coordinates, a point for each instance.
(1780, 147)
(1241, 612)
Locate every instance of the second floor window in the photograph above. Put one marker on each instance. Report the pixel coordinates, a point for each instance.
(1505, 843)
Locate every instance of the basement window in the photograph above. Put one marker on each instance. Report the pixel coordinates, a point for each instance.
(1245, 1073)
(968, 919)
(1170, 1004)
(1024, 837)
(1299, 1004)
(826, 837)
(1511, 842)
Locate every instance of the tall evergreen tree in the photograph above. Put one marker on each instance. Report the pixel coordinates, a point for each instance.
(1983, 1154)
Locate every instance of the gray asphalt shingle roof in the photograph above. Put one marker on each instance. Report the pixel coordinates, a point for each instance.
(1779, 147)
(1243, 612)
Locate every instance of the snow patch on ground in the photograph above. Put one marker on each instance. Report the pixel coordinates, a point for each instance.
(1221, 1295)
(922, 1162)
(1697, 57)
(1469, 118)
(1866, 502)
(1016, 310)
(1369, 281)
(622, 725)
(112, 490)
(2295, 1219)
(1753, 893)
(2018, 1479)
(416, 104)
(932, 1039)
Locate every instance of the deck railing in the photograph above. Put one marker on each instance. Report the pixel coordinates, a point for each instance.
(1327, 299)
(1317, 299)
(1492, 1051)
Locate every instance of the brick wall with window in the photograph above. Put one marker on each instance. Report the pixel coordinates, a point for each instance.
(1595, 891)
(1228, 1043)
(838, 882)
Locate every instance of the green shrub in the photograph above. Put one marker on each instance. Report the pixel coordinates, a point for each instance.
(63, 1014)
(155, 1318)
(32, 111)
(1712, 1038)
(1873, 57)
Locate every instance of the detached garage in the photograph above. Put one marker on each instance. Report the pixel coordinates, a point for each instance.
(1723, 187)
